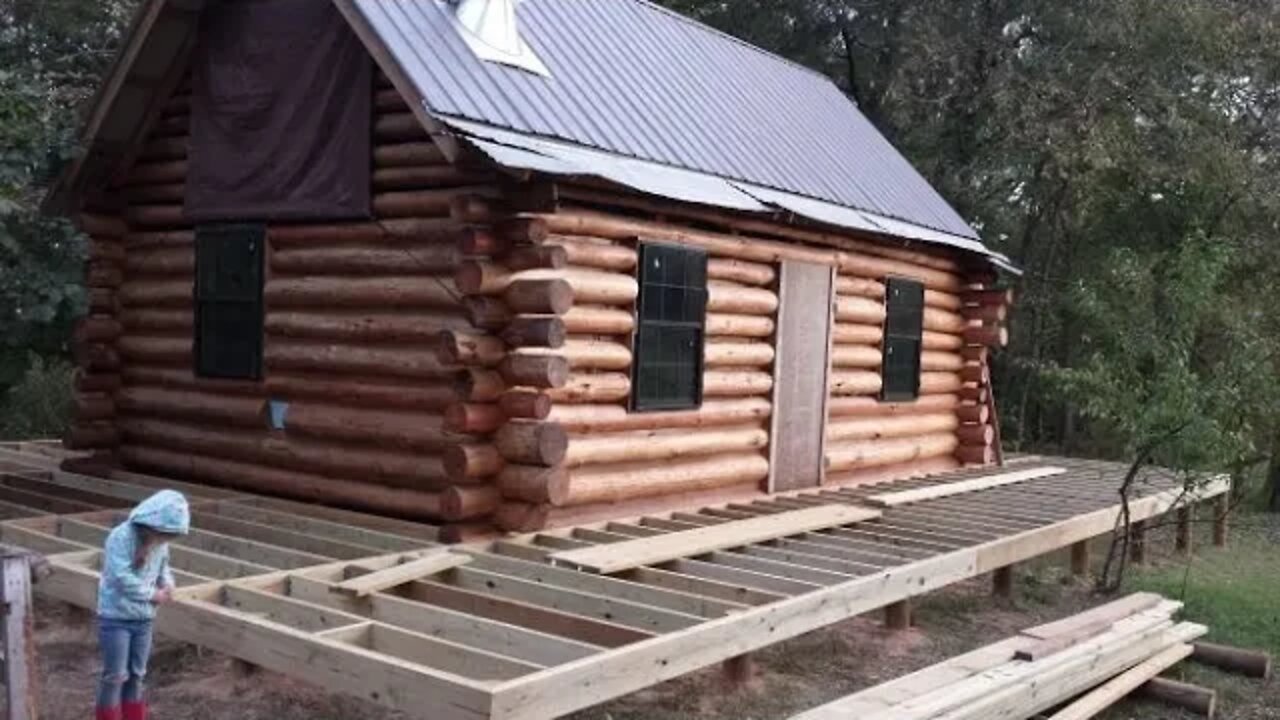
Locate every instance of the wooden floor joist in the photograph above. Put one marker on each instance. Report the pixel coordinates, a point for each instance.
(347, 601)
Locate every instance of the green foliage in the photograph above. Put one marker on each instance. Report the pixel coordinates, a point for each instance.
(39, 404)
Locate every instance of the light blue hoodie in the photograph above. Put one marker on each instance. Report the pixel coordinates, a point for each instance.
(124, 592)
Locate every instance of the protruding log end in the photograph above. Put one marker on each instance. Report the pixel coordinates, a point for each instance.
(469, 502)
(987, 335)
(535, 331)
(545, 297)
(534, 484)
(976, 434)
(459, 348)
(1251, 663)
(472, 209)
(479, 241)
(532, 443)
(536, 257)
(539, 371)
(486, 313)
(473, 418)
(478, 385)
(525, 404)
(523, 231)
(518, 517)
(1199, 700)
(466, 461)
(975, 454)
(973, 413)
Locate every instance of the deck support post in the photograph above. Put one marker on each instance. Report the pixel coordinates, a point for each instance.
(1002, 582)
(1138, 542)
(1221, 508)
(1080, 560)
(898, 615)
(739, 670)
(1183, 541)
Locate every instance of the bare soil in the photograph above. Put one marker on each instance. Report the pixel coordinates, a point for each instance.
(187, 684)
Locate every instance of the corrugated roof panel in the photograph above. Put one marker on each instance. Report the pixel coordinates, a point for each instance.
(634, 79)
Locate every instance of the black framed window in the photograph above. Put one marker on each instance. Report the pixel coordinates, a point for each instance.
(666, 373)
(228, 313)
(903, 330)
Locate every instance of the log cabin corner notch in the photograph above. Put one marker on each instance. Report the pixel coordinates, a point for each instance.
(477, 344)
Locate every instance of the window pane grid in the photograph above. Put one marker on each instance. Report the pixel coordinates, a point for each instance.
(904, 331)
(667, 372)
(228, 322)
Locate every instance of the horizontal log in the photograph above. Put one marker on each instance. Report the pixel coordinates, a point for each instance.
(860, 287)
(480, 385)
(96, 357)
(722, 353)
(531, 442)
(997, 297)
(973, 413)
(617, 483)
(184, 378)
(535, 371)
(534, 484)
(586, 354)
(474, 209)
(487, 313)
(1250, 663)
(855, 382)
(157, 173)
(389, 99)
(157, 216)
(535, 331)
(730, 383)
(615, 418)
(146, 240)
(91, 436)
(987, 335)
(521, 231)
(414, 362)
(474, 277)
(969, 394)
(369, 464)
(539, 297)
(535, 257)
(404, 259)
(88, 407)
(933, 360)
(944, 321)
(875, 453)
(1195, 699)
(525, 404)
(95, 382)
(853, 309)
(362, 327)
(857, 334)
(740, 271)
(417, 431)
(461, 348)
(870, 266)
(98, 328)
(975, 354)
(163, 149)
(973, 373)
(521, 517)
(900, 426)
(408, 155)
(976, 454)
(192, 405)
(156, 350)
(383, 292)
(151, 294)
(595, 320)
(396, 502)
(172, 193)
(592, 388)
(866, 357)
(418, 231)
(106, 250)
(97, 225)
(103, 300)
(658, 445)
(941, 341)
(989, 314)
(727, 297)
(470, 461)
(416, 177)
(473, 418)
(942, 300)
(976, 434)
(872, 407)
(938, 383)
(469, 503)
(425, 203)
(399, 127)
(180, 261)
(746, 326)
(376, 392)
(100, 274)
(595, 253)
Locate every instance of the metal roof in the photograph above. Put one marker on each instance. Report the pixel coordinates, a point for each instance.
(634, 79)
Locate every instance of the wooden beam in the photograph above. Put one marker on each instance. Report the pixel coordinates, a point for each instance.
(409, 570)
(1119, 687)
(648, 551)
(964, 486)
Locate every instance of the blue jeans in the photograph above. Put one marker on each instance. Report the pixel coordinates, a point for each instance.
(126, 647)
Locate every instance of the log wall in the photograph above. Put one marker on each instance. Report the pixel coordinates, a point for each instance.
(354, 315)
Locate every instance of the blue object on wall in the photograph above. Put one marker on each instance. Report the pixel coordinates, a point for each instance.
(279, 412)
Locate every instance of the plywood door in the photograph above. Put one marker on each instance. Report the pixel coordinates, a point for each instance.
(800, 375)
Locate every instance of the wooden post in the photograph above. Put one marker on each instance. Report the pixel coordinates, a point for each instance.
(19, 635)
(1002, 582)
(1183, 542)
(1080, 560)
(1138, 542)
(1193, 698)
(1221, 508)
(739, 670)
(898, 615)
(1251, 663)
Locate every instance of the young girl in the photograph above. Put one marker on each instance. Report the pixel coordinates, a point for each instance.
(135, 580)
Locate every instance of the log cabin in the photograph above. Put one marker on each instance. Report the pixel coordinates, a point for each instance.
(508, 268)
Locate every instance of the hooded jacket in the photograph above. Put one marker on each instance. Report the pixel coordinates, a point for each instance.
(124, 591)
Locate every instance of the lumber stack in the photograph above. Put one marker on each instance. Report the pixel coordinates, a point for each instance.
(353, 317)
(1116, 648)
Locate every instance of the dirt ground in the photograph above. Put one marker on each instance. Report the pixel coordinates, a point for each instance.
(190, 685)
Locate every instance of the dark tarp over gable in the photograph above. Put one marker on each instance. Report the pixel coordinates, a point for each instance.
(280, 114)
